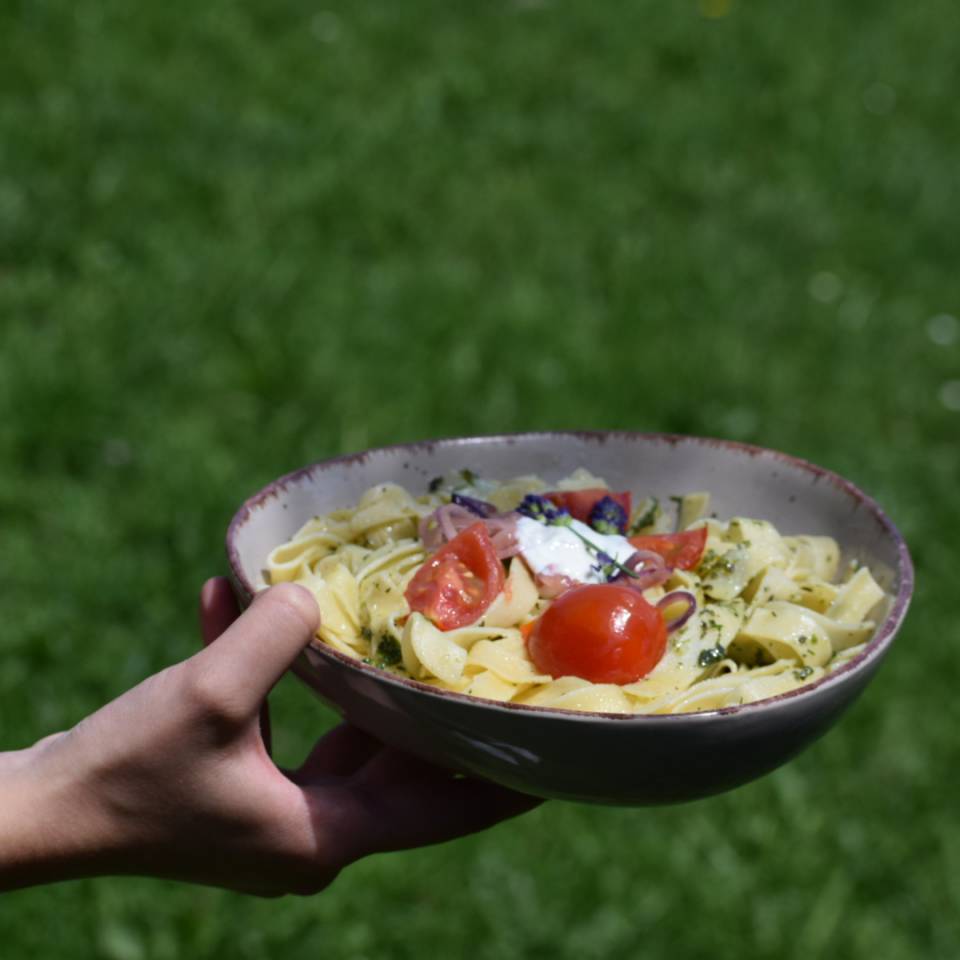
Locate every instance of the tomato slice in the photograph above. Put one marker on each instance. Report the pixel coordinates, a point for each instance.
(605, 633)
(456, 584)
(579, 503)
(682, 550)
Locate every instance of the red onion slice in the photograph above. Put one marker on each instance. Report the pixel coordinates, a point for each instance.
(429, 532)
(649, 568)
(503, 535)
(551, 585)
(447, 521)
(444, 524)
(678, 596)
(480, 507)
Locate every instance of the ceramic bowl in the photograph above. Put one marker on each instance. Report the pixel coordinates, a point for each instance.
(600, 758)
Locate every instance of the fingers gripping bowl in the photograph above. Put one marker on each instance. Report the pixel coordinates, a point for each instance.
(598, 757)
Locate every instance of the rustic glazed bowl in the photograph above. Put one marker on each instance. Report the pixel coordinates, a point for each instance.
(603, 758)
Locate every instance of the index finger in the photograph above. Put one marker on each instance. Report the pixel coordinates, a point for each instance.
(399, 803)
(218, 609)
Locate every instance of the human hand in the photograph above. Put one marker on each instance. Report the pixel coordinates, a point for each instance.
(174, 779)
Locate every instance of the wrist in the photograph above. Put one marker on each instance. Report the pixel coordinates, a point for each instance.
(51, 828)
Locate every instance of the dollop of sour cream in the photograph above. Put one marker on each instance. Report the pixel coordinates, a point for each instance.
(557, 550)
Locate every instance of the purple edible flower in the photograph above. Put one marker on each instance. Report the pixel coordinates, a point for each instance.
(543, 510)
(607, 516)
(607, 567)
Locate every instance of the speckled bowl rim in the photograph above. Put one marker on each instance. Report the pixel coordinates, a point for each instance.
(875, 648)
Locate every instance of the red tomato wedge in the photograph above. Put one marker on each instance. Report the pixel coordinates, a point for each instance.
(579, 503)
(681, 550)
(456, 584)
(602, 632)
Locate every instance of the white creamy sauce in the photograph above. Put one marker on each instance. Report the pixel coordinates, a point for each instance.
(558, 550)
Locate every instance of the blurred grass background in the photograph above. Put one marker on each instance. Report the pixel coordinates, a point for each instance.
(240, 237)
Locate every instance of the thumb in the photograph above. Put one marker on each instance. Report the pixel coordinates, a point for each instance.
(256, 650)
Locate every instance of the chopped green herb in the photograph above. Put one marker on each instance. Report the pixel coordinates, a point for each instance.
(708, 622)
(709, 657)
(468, 477)
(802, 673)
(647, 517)
(714, 564)
(388, 651)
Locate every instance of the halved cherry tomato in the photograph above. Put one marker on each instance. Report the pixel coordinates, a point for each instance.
(604, 632)
(681, 550)
(456, 584)
(579, 503)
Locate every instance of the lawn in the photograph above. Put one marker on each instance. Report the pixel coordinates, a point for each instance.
(237, 238)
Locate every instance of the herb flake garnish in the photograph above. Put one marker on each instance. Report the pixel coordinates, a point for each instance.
(388, 652)
(711, 656)
(647, 517)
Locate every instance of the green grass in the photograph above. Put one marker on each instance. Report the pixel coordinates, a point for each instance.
(236, 238)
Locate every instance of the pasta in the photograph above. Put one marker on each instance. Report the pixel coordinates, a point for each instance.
(752, 613)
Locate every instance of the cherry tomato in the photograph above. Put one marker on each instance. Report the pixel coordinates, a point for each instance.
(605, 633)
(682, 550)
(579, 503)
(456, 584)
